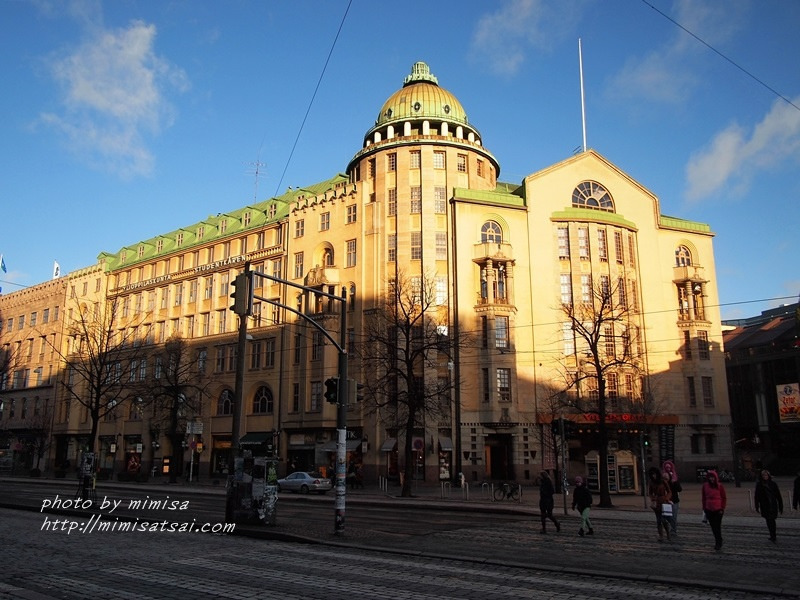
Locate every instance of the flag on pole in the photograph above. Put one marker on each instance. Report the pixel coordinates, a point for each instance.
(56, 270)
(3, 264)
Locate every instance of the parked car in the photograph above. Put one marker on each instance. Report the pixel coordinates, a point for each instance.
(304, 482)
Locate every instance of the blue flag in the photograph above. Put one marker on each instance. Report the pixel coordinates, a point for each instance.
(3, 264)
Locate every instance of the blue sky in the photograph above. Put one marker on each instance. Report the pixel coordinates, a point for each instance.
(126, 119)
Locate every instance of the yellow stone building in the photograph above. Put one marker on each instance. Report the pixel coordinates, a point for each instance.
(421, 201)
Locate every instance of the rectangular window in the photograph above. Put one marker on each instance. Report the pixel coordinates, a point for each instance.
(608, 340)
(392, 208)
(208, 290)
(484, 332)
(222, 320)
(618, 246)
(255, 355)
(371, 168)
(46, 315)
(351, 253)
(269, 352)
(692, 392)
(708, 392)
(438, 160)
(192, 291)
(298, 265)
(634, 296)
(501, 332)
(299, 228)
(563, 243)
(316, 396)
(416, 245)
(441, 291)
(485, 386)
(391, 246)
(352, 213)
(325, 221)
(440, 199)
(295, 397)
(480, 169)
(317, 346)
(225, 284)
(178, 295)
(391, 162)
(602, 245)
(414, 159)
(583, 243)
(612, 386)
(504, 385)
(298, 348)
(687, 345)
(566, 288)
(462, 163)
(605, 287)
(631, 251)
(416, 199)
(586, 289)
(569, 339)
(441, 245)
(702, 345)
(622, 297)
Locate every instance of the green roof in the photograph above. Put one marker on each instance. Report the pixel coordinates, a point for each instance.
(684, 225)
(505, 194)
(247, 218)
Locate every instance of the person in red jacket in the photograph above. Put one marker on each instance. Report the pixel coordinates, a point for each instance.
(714, 503)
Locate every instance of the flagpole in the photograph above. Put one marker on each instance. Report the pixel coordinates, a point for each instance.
(583, 102)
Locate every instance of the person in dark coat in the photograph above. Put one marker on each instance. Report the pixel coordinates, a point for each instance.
(768, 501)
(546, 492)
(582, 502)
(796, 492)
(714, 500)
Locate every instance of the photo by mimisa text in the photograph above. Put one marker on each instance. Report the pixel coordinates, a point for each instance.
(105, 522)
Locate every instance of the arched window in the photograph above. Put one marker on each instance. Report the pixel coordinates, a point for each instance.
(683, 257)
(225, 403)
(590, 194)
(491, 233)
(327, 257)
(262, 402)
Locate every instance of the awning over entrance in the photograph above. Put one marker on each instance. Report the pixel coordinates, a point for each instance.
(389, 445)
(254, 439)
(351, 445)
(445, 444)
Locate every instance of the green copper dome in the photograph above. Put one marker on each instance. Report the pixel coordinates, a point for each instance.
(421, 98)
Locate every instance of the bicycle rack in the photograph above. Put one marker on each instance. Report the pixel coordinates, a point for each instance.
(465, 491)
(487, 490)
(446, 489)
(383, 484)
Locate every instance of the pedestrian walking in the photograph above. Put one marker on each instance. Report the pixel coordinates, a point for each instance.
(582, 501)
(660, 498)
(714, 502)
(546, 492)
(676, 488)
(768, 502)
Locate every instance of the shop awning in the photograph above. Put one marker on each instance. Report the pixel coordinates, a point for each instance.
(254, 439)
(389, 445)
(445, 444)
(351, 445)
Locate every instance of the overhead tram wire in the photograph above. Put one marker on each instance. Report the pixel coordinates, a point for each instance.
(717, 52)
(313, 96)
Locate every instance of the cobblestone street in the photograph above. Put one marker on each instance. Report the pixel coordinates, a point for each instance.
(56, 565)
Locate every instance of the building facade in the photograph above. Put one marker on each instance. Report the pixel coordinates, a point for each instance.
(421, 203)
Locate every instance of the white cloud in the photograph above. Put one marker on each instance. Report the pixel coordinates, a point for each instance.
(114, 95)
(734, 157)
(502, 38)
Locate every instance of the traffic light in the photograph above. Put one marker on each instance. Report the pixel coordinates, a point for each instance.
(242, 295)
(332, 390)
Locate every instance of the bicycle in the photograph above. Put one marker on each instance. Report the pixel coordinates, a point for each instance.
(507, 491)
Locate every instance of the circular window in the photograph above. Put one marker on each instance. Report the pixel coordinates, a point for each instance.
(447, 109)
(417, 105)
(389, 112)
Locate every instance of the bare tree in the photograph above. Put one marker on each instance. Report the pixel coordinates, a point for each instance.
(177, 388)
(554, 402)
(606, 341)
(38, 427)
(408, 345)
(101, 361)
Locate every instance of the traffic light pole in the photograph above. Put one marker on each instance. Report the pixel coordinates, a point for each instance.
(341, 400)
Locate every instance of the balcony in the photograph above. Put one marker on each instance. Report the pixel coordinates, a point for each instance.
(496, 251)
(688, 273)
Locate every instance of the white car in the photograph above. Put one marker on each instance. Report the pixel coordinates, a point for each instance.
(305, 482)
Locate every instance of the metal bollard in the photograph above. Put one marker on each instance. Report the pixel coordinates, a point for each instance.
(446, 488)
(465, 491)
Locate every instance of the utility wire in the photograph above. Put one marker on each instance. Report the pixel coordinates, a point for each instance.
(313, 96)
(717, 52)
